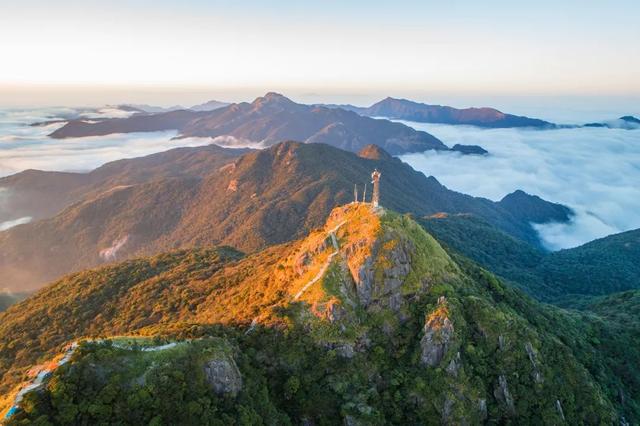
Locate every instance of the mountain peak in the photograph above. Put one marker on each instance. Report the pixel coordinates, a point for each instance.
(630, 119)
(534, 209)
(273, 97)
(274, 101)
(359, 258)
(374, 152)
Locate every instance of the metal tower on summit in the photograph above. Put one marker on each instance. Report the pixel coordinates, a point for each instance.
(375, 180)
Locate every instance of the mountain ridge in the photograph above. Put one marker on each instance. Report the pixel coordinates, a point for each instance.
(255, 200)
(449, 339)
(404, 109)
(268, 120)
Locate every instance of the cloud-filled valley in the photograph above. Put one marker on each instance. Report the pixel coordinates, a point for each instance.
(25, 147)
(594, 171)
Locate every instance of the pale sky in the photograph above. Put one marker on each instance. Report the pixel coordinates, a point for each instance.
(69, 50)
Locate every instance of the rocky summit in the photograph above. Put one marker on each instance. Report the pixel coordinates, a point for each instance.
(366, 320)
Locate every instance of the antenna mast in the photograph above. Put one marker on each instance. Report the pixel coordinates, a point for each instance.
(375, 179)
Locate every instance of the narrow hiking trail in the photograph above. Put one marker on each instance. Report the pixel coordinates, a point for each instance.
(327, 263)
(336, 247)
(45, 372)
(317, 277)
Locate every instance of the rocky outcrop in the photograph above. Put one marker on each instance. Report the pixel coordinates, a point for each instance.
(349, 420)
(223, 375)
(438, 335)
(397, 253)
(334, 311)
(379, 278)
(559, 409)
(537, 376)
(502, 394)
(446, 410)
(501, 342)
(346, 350)
(482, 408)
(454, 365)
(365, 281)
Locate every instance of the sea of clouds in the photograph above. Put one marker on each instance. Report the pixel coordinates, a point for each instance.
(24, 147)
(594, 171)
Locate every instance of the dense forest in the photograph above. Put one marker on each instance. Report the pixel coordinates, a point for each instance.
(565, 277)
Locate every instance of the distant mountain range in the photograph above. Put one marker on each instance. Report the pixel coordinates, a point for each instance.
(209, 106)
(268, 120)
(206, 106)
(403, 109)
(203, 196)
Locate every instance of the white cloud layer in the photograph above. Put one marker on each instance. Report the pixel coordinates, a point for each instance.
(595, 171)
(592, 170)
(24, 147)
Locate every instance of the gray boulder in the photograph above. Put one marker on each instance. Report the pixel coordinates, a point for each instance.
(438, 336)
(223, 375)
(503, 395)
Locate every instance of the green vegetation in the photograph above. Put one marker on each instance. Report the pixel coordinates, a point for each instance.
(136, 387)
(600, 267)
(427, 337)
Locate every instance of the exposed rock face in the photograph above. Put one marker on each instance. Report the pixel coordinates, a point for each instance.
(446, 411)
(482, 408)
(381, 275)
(374, 152)
(438, 334)
(223, 375)
(335, 311)
(346, 351)
(454, 365)
(501, 343)
(559, 408)
(537, 376)
(399, 258)
(503, 395)
(351, 421)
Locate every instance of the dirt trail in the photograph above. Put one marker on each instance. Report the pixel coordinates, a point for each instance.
(336, 247)
(69, 351)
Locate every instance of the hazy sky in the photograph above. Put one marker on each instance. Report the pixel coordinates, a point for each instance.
(72, 49)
